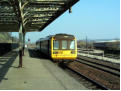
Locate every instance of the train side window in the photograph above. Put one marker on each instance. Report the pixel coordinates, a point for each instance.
(64, 44)
(55, 44)
(72, 44)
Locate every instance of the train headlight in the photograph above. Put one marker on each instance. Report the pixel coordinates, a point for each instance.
(72, 52)
(55, 52)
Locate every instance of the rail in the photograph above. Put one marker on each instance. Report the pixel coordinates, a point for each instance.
(87, 78)
(106, 68)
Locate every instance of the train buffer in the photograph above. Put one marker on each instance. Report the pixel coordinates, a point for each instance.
(36, 74)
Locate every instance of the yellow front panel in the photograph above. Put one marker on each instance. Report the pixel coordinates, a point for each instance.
(64, 54)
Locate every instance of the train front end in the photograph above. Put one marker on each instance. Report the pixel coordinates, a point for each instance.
(63, 47)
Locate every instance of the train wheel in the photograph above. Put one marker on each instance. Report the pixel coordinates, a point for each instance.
(62, 64)
(55, 61)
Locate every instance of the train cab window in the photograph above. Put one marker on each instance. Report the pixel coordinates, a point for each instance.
(72, 44)
(64, 44)
(55, 44)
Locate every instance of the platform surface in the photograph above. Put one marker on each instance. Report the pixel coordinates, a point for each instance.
(36, 74)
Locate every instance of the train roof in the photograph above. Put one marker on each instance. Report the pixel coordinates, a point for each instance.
(57, 36)
(46, 38)
(64, 36)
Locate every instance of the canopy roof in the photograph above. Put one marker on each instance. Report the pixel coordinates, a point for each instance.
(34, 15)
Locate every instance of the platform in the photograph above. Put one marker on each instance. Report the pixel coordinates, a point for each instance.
(101, 58)
(36, 74)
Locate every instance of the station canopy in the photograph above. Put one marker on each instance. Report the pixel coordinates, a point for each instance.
(34, 15)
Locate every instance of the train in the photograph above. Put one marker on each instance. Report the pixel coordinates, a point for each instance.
(59, 47)
(108, 46)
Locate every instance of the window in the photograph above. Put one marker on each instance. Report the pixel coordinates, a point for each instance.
(64, 44)
(72, 44)
(55, 44)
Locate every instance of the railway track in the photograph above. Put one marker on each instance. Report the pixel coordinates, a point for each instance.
(100, 66)
(101, 86)
(104, 74)
(112, 56)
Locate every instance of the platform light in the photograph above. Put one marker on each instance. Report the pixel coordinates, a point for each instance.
(73, 52)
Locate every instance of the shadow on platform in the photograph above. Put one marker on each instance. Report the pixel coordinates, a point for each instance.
(5, 63)
(36, 54)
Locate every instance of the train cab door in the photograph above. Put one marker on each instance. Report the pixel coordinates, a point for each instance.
(40, 46)
(48, 47)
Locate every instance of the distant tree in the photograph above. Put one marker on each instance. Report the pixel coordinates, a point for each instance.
(84, 44)
(5, 36)
(81, 44)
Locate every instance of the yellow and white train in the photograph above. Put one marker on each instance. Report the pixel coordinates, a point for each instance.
(58, 47)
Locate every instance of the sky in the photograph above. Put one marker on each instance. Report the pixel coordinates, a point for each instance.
(96, 19)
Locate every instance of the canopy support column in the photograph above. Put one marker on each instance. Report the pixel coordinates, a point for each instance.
(21, 34)
(23, 43)
(20, 45)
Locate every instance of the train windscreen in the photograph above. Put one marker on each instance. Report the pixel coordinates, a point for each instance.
(72, 44)
(55, 44)
(64, 44)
